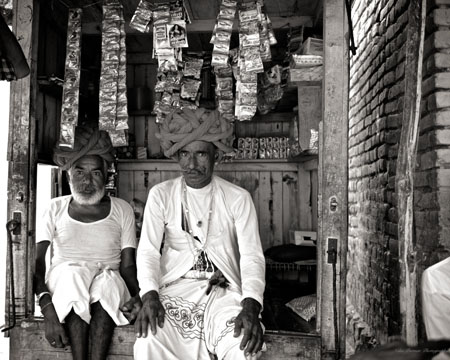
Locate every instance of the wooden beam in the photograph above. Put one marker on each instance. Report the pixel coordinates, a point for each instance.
(235, 165)
(333, 182)
(20, 155)
(406, 161)
(207, 26)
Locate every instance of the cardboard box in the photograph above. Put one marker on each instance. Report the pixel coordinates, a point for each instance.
(303, 238)
(312, 46)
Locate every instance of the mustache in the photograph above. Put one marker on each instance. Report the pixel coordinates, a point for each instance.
(84, 188)
(193, 172)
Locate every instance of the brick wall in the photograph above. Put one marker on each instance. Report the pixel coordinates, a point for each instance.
(375, 116)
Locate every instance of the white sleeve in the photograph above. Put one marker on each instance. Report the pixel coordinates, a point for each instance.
(252, 262)
(45, 226)
(148, 253)
(128, 238)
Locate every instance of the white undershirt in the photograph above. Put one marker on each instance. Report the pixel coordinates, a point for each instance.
(199, 203)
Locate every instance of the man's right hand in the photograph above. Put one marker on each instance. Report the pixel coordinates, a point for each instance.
(151, 312)
(54, 331)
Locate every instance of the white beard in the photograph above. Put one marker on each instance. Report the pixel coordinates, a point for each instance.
(91, 199)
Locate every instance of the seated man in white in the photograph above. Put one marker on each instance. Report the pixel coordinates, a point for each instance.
(92, 275)
(211, 238)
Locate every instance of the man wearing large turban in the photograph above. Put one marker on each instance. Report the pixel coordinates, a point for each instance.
(202, 287)
(91, 285)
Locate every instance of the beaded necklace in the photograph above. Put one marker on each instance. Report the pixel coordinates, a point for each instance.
(201, 260)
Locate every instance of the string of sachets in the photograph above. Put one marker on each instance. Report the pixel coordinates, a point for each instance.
(113, 115)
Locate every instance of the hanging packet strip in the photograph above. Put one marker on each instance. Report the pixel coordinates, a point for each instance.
(142, 17)
(109, 73)
(71, 87)
(113, 116)
(222, 33)
(122, 101)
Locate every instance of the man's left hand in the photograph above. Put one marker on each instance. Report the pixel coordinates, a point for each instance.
(248, 319)
(131, 308)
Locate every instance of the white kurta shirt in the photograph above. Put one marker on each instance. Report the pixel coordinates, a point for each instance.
(436, 300)
(233, 242)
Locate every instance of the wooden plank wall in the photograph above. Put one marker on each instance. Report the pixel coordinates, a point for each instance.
(283, 200)
(141, 73)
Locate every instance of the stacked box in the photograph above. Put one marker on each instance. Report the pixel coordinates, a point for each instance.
(273, 148)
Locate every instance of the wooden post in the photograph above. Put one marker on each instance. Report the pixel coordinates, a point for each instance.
(21, 160)
(404, 178)
(333, 181)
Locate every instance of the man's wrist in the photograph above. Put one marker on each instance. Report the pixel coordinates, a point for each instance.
(150, 296)
(42, 294)
(251, 304)
(44, 298)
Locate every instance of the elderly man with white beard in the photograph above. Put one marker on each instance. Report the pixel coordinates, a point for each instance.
(91, 285)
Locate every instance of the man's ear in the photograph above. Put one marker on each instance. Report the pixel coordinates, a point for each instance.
(218, 155)
(68, 176)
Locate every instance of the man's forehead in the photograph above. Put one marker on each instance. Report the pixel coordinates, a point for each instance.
(89, 161)
(198, 145)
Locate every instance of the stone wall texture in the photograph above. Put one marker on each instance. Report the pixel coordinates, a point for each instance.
(377, 89)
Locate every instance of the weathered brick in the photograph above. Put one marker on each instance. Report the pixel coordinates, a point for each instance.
(382, 151)
(440, 137)
(441, 17)
(391, 107)
(439, 40)
(438, 81)
(389, 78)
(393, 121)
(424, 142)
(426, 179)
(426, 219)
(443, 177)
(425, 200)
(434, 158)
(396, 90)
(440, 61)
(441, 2)
(400, 71)
(393, 137)
(438, 100)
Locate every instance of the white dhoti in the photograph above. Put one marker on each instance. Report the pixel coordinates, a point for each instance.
(194, 324)
(76, 285)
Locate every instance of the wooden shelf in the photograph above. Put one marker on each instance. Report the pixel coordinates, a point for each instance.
(308, 163)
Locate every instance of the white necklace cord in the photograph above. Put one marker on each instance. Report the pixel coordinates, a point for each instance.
(201, 262)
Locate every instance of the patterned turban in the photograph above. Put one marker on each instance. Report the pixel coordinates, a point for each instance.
(88, 141)
(182, 127)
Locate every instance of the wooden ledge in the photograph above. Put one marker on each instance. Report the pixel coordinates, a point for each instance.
(28, 343)
(308, 163)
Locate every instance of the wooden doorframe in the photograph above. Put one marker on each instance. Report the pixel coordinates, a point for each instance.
(22, 162)
(333, 182)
